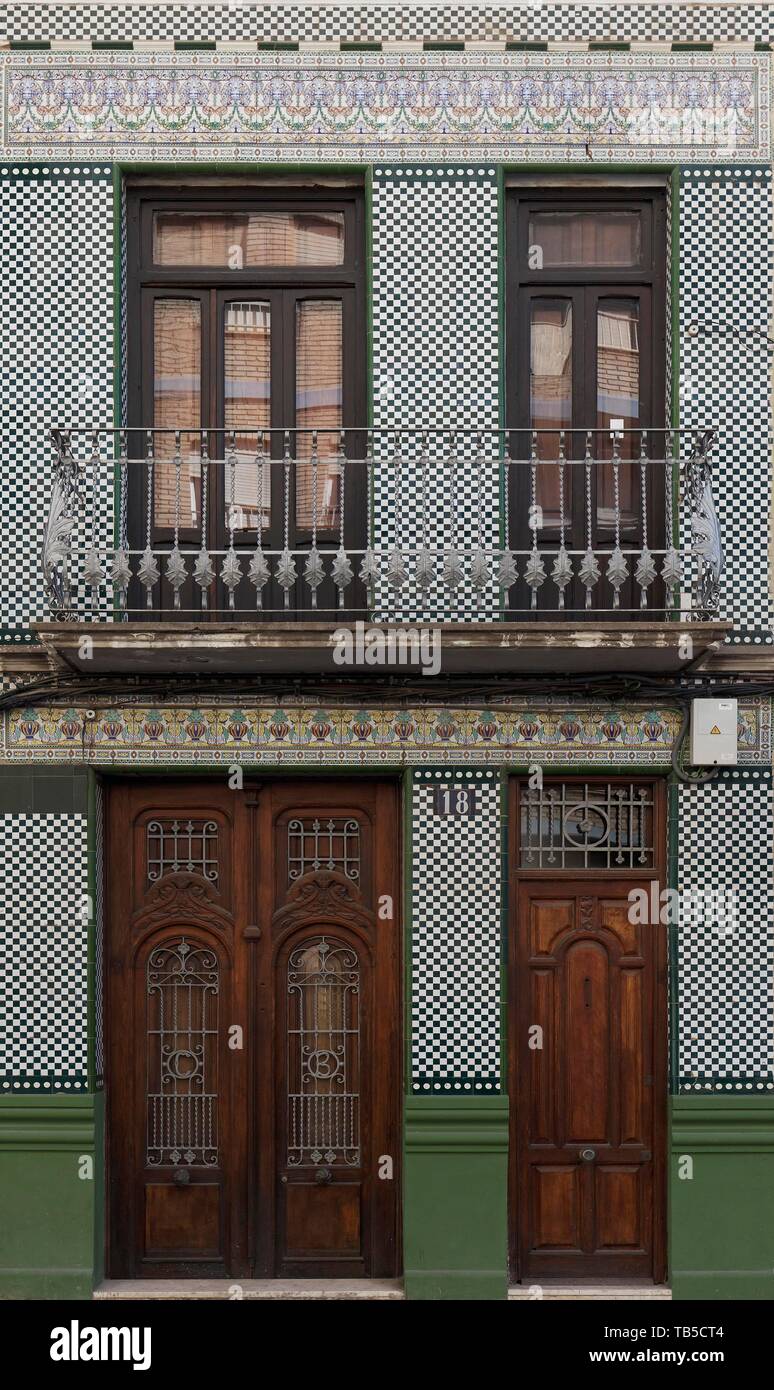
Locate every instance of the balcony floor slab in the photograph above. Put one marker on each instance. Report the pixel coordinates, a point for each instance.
(308, 649)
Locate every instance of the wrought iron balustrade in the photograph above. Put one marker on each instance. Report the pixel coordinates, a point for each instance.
(398, 524)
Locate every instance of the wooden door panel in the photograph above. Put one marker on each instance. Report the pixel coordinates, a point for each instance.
(587, 1168)
(548, 920)
(613, 916)
(557, 1207)
(632, 1053)
(618, 1204)
(323, 1223)
(586, 1044)
(181, 1222)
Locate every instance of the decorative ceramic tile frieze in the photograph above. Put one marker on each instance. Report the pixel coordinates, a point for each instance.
(244, 20)
(505, 732)
(456, 936)
(344, 107)
(43, 953)
(725, 957)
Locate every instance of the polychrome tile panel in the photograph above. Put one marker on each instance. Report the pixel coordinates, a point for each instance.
(725, 955)
(367, 107)
(506, 732)
(43, 953)
(456, 935)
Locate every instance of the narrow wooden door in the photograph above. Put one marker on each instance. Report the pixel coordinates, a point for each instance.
(588, 1050)
(253, 1026)
(331, 960)
(175, 984)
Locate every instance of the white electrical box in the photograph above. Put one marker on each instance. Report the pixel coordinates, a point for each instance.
(713, 732)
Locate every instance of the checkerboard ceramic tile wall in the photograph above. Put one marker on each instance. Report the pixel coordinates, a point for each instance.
(243, 19)
(455, 938)
(725, 304)
(43, 952)
(435, 318)
(724, 973)
(56, 349)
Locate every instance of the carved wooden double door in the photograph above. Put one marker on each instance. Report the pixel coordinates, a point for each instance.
(253, 1029)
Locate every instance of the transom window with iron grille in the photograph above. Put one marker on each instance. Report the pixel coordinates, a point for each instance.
(586, 825)
(177, 845)
(328, 843)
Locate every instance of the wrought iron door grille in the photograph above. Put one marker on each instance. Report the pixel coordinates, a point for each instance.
(323, 1043)
(330, 844)
(583, 825)
(174, 845)
(181, 1094)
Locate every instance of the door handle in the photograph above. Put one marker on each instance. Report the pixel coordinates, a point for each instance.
(323, 1175)
(588, 1155)
(182, 1177)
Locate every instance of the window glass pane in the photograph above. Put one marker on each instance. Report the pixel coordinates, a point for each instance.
(559, 239)
(177, 388)
(318, 407)
(618, 403)
(247, 408)
(234, 240)
(551, 395)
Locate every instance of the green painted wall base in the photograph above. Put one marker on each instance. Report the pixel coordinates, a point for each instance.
(455, 1197)
(47, 1210)
(722, 1217)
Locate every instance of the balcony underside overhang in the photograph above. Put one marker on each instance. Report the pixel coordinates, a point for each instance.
(308, 649)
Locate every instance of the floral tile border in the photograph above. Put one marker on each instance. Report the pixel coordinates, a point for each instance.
(300, 733)
(365, 107)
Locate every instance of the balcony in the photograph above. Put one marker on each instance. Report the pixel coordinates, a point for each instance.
(529, 550)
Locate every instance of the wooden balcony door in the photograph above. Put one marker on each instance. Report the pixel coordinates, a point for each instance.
(586, 348)
(246, 328)
(253, 1026)
(587, 1062)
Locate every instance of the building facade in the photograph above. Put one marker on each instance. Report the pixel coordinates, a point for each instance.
(386, 412)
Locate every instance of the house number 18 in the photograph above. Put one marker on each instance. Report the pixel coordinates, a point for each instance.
(455, 801)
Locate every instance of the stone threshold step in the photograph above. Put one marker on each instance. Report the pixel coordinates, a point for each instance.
(601, 1293)
(303, 1290)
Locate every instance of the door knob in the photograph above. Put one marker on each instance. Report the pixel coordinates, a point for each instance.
(588, 1155)
(182, 1177)
(323, 1175)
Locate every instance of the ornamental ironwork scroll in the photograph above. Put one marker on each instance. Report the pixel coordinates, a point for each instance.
(323, 1054)
(583, 825)
(333, 843)
(183, 981)
(176, 845)
(705, 529)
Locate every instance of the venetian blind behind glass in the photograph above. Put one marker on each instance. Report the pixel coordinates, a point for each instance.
(318, 407)
(236, 240)
(247, 408)
(600, 238)
(177, 395)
